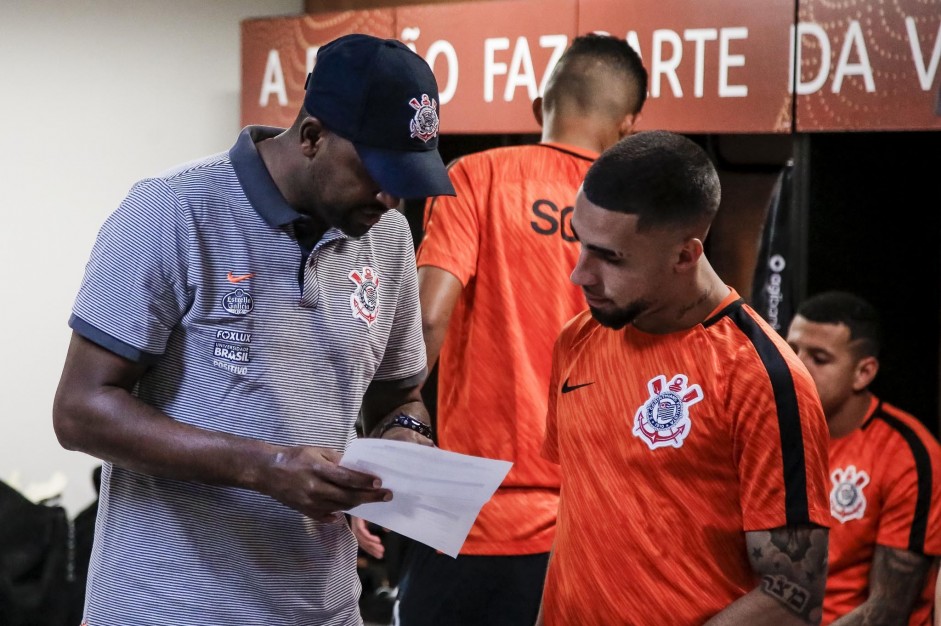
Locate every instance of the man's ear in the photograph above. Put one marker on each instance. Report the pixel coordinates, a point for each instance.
(312, 131)
(537, 110)
(691, 251)
(628, 122)
(866, 370)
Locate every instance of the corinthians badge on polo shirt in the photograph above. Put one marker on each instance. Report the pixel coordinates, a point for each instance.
(663, 420)
(364, 301)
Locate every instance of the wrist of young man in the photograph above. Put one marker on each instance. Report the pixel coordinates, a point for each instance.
(409, 422)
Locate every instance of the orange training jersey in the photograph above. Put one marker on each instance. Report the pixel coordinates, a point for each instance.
(885, 488)
(671, 448)
(507, 237)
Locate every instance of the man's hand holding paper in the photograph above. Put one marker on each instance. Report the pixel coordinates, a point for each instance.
(437, 494)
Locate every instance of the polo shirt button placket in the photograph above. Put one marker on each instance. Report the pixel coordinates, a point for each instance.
(311, 296)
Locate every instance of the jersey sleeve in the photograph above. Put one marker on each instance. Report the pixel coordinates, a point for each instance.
(550, 445)
(135, 286)
(565, 351)
(780, 442)
(451, 225)
(911, 495)
(404, 358)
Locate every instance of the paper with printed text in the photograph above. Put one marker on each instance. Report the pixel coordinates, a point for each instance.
(437, 494)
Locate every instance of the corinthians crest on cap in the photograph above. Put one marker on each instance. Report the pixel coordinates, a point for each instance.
(424, 124)
(664, 419)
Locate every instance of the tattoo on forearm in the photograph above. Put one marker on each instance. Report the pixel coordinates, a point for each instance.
(792, 564)
(895, 581)
(787, 593)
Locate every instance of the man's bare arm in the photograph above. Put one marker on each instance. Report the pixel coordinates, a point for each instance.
(438, 290)
(383, 401)
(791, 567)
(937, 603)
(896, 580)
(95, 412)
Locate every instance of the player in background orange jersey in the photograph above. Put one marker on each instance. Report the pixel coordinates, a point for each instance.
(691, 439)
(885, 473)
(493, 281)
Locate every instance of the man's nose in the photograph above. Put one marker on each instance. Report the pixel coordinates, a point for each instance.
(388, 200)
(580, 275)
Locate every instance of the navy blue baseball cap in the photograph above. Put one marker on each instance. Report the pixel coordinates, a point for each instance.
(383, 98)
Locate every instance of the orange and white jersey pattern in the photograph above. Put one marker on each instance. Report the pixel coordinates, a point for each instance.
(885, 489)
(507, 237)
(672, 447)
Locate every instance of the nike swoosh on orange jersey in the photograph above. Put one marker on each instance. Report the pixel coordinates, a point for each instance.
(237, 279)
(566, 388)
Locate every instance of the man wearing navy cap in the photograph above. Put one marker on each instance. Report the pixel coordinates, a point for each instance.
(236, 316)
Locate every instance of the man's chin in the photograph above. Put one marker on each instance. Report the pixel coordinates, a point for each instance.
(618, 318)
(360, 222)
(354, 229)
(615, 320)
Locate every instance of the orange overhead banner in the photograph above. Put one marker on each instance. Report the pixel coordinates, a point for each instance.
(714, 67)
(491, 58)
(278, 53)
(869, 65)
(720, 66)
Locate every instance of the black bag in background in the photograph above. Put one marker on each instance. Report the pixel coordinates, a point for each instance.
(36, 567)
(774, 286)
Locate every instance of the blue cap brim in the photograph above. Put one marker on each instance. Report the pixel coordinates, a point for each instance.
(407, 174)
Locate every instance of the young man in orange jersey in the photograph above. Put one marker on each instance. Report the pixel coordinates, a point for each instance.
(690, 437)
(492, 271)
(885, 473)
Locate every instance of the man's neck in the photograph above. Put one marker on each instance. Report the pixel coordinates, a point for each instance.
(580, 134)
(274, 153)
(850, 416)
(698, 299)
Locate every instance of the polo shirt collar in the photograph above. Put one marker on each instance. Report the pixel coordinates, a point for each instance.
(256, 182)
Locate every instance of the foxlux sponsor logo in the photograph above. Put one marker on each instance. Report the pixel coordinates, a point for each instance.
(231, 346)
(238, 302)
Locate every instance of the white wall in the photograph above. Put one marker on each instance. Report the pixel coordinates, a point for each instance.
(93, 96)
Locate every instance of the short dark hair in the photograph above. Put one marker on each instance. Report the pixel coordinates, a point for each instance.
(664, 178)
(842, 307)
(570, 82)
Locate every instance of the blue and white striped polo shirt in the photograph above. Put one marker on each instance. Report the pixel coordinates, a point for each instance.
(197, 273)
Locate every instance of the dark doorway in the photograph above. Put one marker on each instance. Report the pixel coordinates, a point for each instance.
(874, 228)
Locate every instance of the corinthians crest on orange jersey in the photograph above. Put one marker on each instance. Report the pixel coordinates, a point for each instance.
(847, 500)
(663, 420)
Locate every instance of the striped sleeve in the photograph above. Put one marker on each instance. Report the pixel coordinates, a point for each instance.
(779, 434)
(911, 510)
(134, 290)
(404, 358)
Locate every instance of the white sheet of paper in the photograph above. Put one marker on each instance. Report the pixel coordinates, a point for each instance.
(436, 494)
